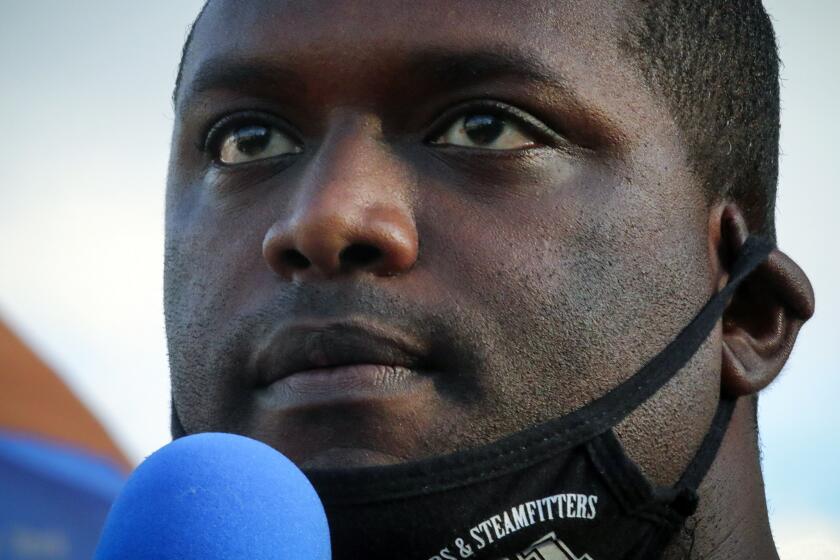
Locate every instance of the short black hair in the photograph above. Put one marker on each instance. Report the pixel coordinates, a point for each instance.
(716, 64)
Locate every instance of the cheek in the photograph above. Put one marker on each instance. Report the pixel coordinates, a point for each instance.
(213, 266)
(581, 285)
(214, 263)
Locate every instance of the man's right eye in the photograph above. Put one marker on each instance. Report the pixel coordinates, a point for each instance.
(235, 144)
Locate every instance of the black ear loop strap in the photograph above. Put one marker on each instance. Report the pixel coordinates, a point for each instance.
(705, 456)
(629, 395)
(683, 496)
(685, 499)
(685, 492)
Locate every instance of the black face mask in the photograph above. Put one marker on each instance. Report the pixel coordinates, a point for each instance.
(562, 490)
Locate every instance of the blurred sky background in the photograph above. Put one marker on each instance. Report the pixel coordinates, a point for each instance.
(85, 100)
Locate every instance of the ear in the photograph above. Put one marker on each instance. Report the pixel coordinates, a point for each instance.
(763, 319)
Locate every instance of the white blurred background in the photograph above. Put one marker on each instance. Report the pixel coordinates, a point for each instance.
(85, 100)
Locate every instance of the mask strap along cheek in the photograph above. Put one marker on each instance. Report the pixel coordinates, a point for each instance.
(607, 411)
(626, 397)
(682, 499)
(686, 499)
(610, 409)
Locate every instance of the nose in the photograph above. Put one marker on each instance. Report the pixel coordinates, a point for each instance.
(350, 215)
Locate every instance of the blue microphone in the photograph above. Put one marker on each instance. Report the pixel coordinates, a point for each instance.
(216, 496)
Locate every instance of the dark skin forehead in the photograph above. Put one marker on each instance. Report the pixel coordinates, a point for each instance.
(563, 59)
(569, 231)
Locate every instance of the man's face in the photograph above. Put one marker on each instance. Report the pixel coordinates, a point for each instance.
(398, 229)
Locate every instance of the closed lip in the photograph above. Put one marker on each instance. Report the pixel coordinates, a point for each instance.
(295, 348)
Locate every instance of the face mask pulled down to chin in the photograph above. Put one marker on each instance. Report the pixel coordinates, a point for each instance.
(561, 490)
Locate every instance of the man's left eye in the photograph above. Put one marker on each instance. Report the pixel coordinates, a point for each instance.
(485, 131)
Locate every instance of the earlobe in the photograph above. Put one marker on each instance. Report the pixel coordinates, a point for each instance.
(762, 321)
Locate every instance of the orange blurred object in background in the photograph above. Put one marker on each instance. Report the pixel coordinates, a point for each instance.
(35, 401)
(59, 469)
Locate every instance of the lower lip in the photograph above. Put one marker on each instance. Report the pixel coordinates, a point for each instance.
(338, 385)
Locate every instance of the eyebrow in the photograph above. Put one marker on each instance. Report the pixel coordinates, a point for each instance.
(238, 74)
(440, 68)
(430, 70)
(453, 69)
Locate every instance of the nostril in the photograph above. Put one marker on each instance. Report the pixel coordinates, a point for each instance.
(359, 255)
(294, 259)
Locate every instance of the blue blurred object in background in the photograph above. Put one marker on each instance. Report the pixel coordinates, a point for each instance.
(54, 498)
(59, 468)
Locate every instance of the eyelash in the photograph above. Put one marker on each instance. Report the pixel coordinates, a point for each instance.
(542, 132)
(215, 134)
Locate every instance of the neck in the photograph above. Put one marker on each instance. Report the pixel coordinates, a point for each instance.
(732, 521)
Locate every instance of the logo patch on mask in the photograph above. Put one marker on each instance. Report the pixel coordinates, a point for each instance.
(505, 523)
(549, 548)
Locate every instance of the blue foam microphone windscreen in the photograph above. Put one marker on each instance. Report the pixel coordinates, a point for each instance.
(216, 496)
